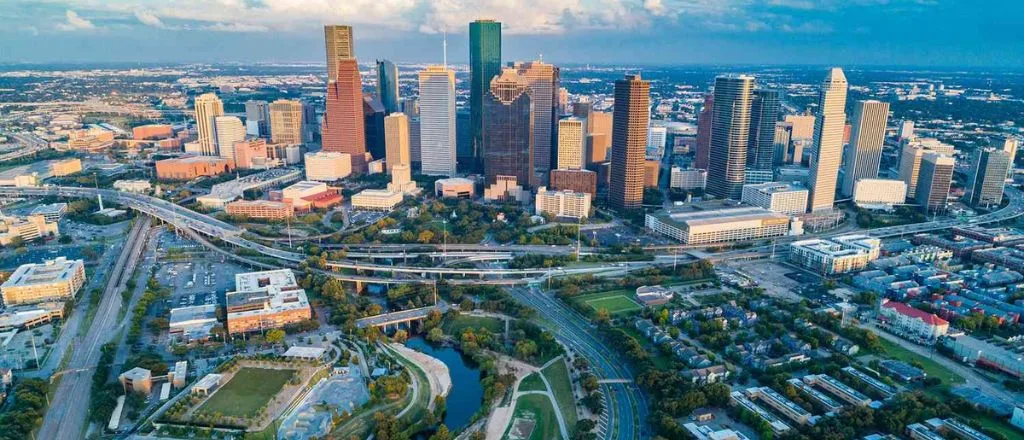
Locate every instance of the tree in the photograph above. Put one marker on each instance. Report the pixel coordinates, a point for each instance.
(275, 336)
(526, 349)
(442, 433)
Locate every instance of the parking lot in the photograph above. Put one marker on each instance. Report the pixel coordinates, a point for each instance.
(773, 277)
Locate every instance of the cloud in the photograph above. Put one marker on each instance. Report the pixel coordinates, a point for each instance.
(74, 22)
(235, 27)
(150, 19)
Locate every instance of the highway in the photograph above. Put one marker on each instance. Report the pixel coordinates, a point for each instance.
(66, 416)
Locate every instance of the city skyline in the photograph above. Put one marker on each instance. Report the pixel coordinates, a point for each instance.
(652, 32)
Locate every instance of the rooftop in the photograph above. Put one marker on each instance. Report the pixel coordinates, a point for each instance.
(51, 271)
(903, 309)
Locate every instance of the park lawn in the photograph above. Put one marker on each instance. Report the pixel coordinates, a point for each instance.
(658, 357)
(557, 375)
(455, 326)
(995, 424)
(616, 302)
(537, 407)
(532, 382)
(247, 392)
(932, 368)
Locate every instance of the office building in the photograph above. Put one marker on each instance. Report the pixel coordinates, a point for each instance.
(263, 209)
(910, 161)
(562, 204)
(764, 113)
(657, 136)
(91, 140)
(464, 160)
(437, 121)
(543, 81)
(373, 124)
(18, 230)
(988, 177)
(257, 118)
(599, 136)
(506, 189)
(396, 140)
(401, 180)
(191, 323)
(343, 129)
(508, 131)
(133, 185)
(1010, 145)
(250, 154)
(782, 142)
(687, 179)
(153, 131)
(387, 86)
(704, 127)
(306, 195)
(629, 142)
(571, 143)
(783, 197)
(652, 170)
(484, 65)
(730, 134)
(190, 167)
(828, 141)
(906, 130)
(207, 106)
(908, 321)
(286, 122)
(51, 212)
(836, 255)
(933, 182)
(340, 46)
(137, 380)
(864, 153)
(584, 181)
(884, 192)
(228, 129)
(65, 167)
(454, 188)
(265, 300)
(718, 225)
(59, 279)
(803, 126)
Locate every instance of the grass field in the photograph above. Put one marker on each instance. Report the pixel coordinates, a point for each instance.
(247, 392)
(615, 301)
(532, 383)
(561, 386)
(931, 367)
(455, 326)
(538, 408)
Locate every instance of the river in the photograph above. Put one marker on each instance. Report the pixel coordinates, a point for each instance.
(467, 393)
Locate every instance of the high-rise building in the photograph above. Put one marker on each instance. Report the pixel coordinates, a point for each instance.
(340, 46)
(988, 177)
(599, 130)
(508, 130)
(484, 65)
(783, 138)
(910, 160)
(571, 143)
(396, 133)
(704, 132)
(764, 113)
(730, 134)
(1010, 145)
(257, 116)
(933, 181)
(343, 129)
(208, 106)
(803, 126)
(437, 121)
(228, 130)
(906, 130)
(864, 153)
(387, 85)
(411, 107)
(250, 153)
(543, 80)
(414, 141)
(629, 140)
(286, 122)
(828, 141)
(464, 141)
(657, 137)
(373, 124)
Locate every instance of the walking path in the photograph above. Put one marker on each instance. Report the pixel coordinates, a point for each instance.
(501, 416)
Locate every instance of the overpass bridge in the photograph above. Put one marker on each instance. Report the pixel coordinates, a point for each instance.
(401, 317)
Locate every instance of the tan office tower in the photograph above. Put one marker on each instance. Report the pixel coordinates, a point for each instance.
(340, 46)
(1009, 144)
(286, 122)
(803, 126)
(910, 166)
(227, 131)
(629, 142)
(208, 106)
(864, 153)
(829, 124)
(601, 123)
(571, 143)
(396, 140)
(543, 82)
(933, 181)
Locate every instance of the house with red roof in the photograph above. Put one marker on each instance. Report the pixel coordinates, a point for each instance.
(910, 322)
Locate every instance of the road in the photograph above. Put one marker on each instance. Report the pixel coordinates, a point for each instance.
(625, 404)
(66, 417)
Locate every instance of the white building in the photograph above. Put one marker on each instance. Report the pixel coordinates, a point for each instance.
(837, 255)
(265, 300)
(911, 322)
(657, 136)
(688, 179)
(562, 203)
(879, 192)
(719, 225)
(437, 121)
(376, 200)
(328, 166)
(229, 130)
(784, 197)
(133, 185)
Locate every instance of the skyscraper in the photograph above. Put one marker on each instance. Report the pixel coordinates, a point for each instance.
(343, 129)
(257, 118)
(373, 124)
(543, 81)
(764, 112)
(571, 143)
(484, 64)
(208, 106)
(286, 122)
(387, 86)
(988, 177)
(508, 130)
(783, 137)
(730, 136)
(906, 130)
(228, 129)
(657, 137)
(629, 140)
(1010, 145)
(704, 132)
(340, 46)
(864, 153)
(829, 124)
(933, 181)
(437, 121)
(396, 133)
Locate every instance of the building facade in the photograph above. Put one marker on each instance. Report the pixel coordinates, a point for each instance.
(837, 255)
(263, 209)
(730, 136)
(207, 106)
(396, 140)
(286, 122)
(880, 192)
(53, 280)
(343, 125)
(484, 65)
(782, 197)
(340, 46)
(508, 130)
(188, 168)
(565, 203)
(764, 113)
(988, 177)
(437, 121)
(687, 179)
(387, 85)
(829, 125)
(571, 143)
(864, 154)
(719, 225)
(629, 142)
(265, 300)
(933, 181)
(543, 80)
(575, 180)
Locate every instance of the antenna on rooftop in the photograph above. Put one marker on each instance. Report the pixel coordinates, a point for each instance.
(444, 47)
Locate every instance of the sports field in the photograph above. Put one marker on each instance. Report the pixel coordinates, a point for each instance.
(246, 392)
(616, 301)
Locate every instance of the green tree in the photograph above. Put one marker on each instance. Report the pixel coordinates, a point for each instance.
(275, 336)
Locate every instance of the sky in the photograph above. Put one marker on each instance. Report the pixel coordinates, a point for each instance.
(939, 33)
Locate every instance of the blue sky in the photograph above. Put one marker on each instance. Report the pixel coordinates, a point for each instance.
(949, 33)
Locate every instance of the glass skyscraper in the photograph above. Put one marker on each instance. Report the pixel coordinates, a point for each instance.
(484, 65)
(387, 85)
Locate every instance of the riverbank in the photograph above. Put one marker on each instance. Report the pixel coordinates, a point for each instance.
(438, 377)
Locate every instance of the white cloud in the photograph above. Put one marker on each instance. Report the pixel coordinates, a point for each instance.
(236, 27)
(74, 22)
(150, 19)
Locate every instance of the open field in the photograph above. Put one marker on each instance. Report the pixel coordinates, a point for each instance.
(247, 392)
(557, 375)
(455, 326)
(538, 408)
(615, 301)
(532, 383)
(934, 369)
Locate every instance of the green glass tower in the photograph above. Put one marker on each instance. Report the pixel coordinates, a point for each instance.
(484, 64)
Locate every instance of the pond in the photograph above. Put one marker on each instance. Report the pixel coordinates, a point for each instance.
(467, 393)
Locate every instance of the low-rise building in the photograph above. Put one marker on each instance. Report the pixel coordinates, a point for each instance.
(192, 323)
(454, 188)
(328, 166)
(53, 280)
(28, 316)
(653, 295)
(565, 203)
(978, 352)
(836, 255)
(308, 194)
(265, 300)
(92, 140)
(264, 209)
(179, 376)
(133, 185)
(879, 192)
(66, 167)
(783, 197)
(688, 179)
(190, 167)
(584, 181)
(910, 322)
(138, 379)
(20, 230)
(152, 131)
(719, 225)
(506, 188)
(208, 384)
(52, 212)
(377, 200)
